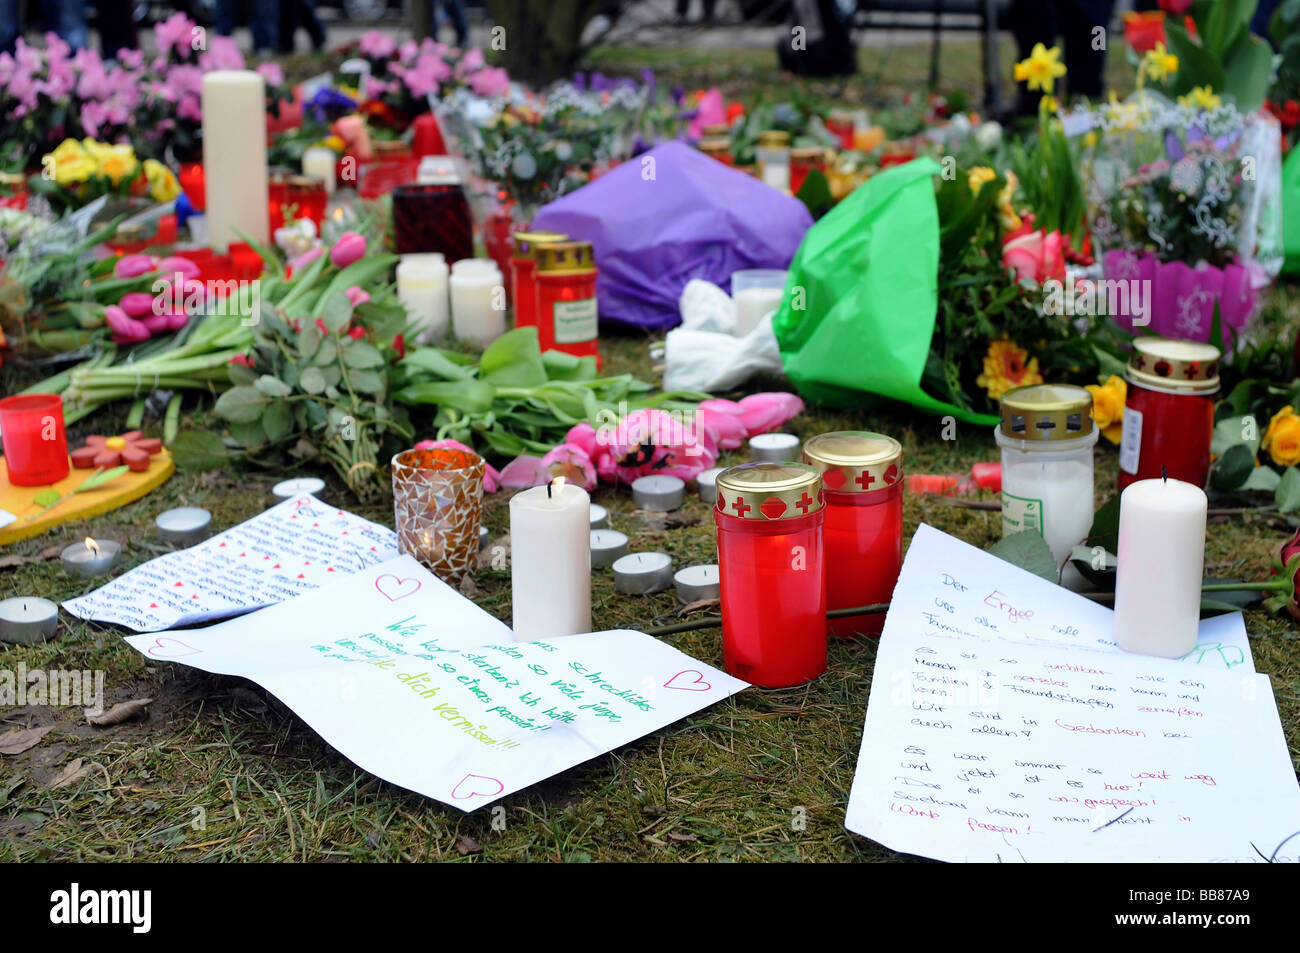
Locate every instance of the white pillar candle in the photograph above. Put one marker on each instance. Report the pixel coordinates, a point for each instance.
(234, 157)
(321, 163)
(1161, 563)
(550, 561)
(422, 289)
(478, 304)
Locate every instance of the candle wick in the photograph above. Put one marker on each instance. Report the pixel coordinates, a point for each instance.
(548, 491)
(1164, 472)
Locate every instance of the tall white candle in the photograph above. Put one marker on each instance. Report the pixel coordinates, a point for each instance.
(422, 289)
(1161, 564)
(234, 157)
(550, 561)
(320, 162)
(478, 305)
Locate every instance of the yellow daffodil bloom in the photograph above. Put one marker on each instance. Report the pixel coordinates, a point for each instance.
(1041, 69)
(1201, 96)
(163, 186)
(1159, 64)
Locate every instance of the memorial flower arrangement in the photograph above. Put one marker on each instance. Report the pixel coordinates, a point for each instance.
(76, 173)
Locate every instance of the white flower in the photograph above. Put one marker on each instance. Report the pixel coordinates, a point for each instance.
(524, 166)
(563, 151)
(988, 136)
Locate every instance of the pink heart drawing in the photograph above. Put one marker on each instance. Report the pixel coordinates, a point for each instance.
(394, 588)
(476, 785)
(698, 684)
(172, 648)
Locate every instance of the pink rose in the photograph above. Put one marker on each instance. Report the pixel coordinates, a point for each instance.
(349, 248)
(356, 138)
(1037, 256)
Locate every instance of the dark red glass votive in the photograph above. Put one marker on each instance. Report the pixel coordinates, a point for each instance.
(432, 218)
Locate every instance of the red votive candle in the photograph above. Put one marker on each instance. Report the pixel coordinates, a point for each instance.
(523, 274)
(566, 298)
(1169, 411)
(35, 443)
(862, 483)
(773, 590)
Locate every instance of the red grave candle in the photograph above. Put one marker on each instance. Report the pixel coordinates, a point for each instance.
(523, 274)
(1169, 411)
(35, 442)
(862, 482)
(566, 298)
(773, 589)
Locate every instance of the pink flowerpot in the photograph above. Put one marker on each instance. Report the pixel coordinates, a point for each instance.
(1181, 296)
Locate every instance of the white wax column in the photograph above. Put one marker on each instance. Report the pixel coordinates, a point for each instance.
(550, 561)
(475, 296)
(321, 163)
(234, 157)
(1161, 564)
(422, 289)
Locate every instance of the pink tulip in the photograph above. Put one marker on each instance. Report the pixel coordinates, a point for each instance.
(349, 248)
(155, 322)
(126, 329)
(177, 321)
(357, 295)
(572, 463)
(137, 304)
(763, 413)
(133, 266)
(491, 478)
(723, 419)
(175, 263)
(522, 472)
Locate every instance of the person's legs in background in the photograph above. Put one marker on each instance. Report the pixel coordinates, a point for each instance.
(116, 26)
(1031, 22)
(266, 26)
(1078, 21)
(455, 10)
(310, 22)
(67, 18)
(9, 26)
(227, 17)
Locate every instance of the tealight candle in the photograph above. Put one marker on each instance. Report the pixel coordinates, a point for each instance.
(27, 619)
(697, 584)
(92, 557)
(1160, 567)
(774, 447)
(550, 561)
(607, 547)
(483, 537)
(184, 526)
(708, 484)
(599, 516)
(287, 489)
(658, 492)
(643, 573)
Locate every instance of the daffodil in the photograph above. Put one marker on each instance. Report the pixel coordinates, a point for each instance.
(68, 164)
(1201, 96)
(1159, 64)
(1041, 69)
(163, 186)
(979, 176)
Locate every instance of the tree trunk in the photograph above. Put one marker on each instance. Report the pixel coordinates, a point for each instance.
(543, 38)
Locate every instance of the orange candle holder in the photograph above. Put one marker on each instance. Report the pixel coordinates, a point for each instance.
(438, 506)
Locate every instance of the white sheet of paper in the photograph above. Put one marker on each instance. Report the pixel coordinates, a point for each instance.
(294, 547)
(6, 518)
(1002, 727)
(416, 684)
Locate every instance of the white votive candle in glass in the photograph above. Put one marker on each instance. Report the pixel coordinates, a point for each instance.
(1161, 563)
(774, 448)
(478, 304)
(641, 573)
(422, 290)
(550, 561)
(320, 162)
(607, 546)
(234, 157)
(27, 619)
(658, 492)
(756, 292)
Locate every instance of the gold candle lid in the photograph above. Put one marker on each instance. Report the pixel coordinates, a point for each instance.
(769, 491)
(562, 258)
(855, 461)
(715, 146)
(390, 147)
(1047, 412)
(1175, 365)
(526, 242)
(716, 130)
(774, 137)
(808, 153)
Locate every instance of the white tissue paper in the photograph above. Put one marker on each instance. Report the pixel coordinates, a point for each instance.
(703, 355)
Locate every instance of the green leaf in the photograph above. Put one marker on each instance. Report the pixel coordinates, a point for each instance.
(336, 311)
(368, 382)
(195, 451)
(327, 353)
(472, 397)
(359, 354)
(1288, 491)
(241, 404)
(248, 433)
(1029, 551)
(1262, 478)
(278, 421)
(1196, 67)
(312, 380)
(1234, 431)
(272, 386)
(1105, 526)
(1097, 564)
(514, 360)
(100, 477)
(47, 498)
(1247, 67)
(561, 366)
(431, 360)
(241, 375)
(1231, 470)
(815, 193)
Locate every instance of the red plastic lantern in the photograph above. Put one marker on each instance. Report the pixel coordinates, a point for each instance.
(862, 482)
(1169, 411)
(773, 590)
(566, 298)
(523, 274)
(35, 442)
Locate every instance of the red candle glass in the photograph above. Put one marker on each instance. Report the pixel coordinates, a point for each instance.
(769, 518)
(862, 483)
(802, 161)
(433, 217)
(523, 274)
(426, 137)
(1169, 411)
(35, 442)
(306, 198)
(566, 298)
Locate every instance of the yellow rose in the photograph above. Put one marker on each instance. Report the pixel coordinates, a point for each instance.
(163, 186)
(1108, 406)
(116, 162)
(1282, 438)
(68, 164)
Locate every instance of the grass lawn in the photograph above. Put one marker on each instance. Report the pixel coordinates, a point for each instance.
(220, 770)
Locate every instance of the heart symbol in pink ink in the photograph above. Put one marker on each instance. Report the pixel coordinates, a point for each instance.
(476, 785)
(171, 648)
(698, 684)
(394, 588)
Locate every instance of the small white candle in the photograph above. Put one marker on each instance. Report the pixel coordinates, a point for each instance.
(774, 448)
(1161, 563)
(483, 537)
(93, 557)
(607, 546)
(599, 516)
(286, 489)
(184, 526)
(320, 162)
(234, 157)
(658, 492)
(752, 305)
(642, 573)
(697, 584)
(708, 484)
(422, 290)
(478, 304)
(28, 619)
(550, 561)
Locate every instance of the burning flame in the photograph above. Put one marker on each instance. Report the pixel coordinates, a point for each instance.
(92, 545)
